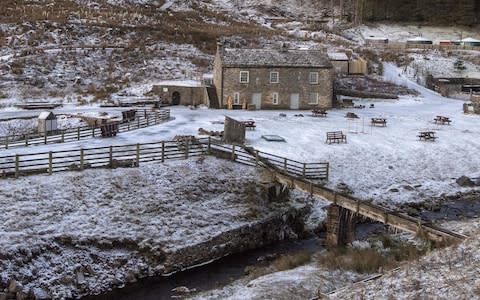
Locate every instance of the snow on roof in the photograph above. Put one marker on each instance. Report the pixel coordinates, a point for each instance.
(337, 56)
(46, 115)
(419, 39)
(375, 38)
(275, 58)
(182, 82)
(470, 40)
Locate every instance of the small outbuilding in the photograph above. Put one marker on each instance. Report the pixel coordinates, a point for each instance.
(339, 61)
(181, 92)
(234, 131)
(419, 41)
(47, 122)
(470, 42)
(376, 41)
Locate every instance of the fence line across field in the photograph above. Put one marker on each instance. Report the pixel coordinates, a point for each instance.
(142, 120)
(135, 154)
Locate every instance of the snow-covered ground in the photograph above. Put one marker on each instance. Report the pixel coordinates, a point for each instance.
(70, 233)
(376, 161)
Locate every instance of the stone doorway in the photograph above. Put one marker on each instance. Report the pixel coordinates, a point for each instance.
(175, 98)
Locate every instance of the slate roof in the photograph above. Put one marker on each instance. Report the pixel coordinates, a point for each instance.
(232, 57)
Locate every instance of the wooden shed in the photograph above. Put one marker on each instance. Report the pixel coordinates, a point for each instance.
(47, 122)
(234, 131)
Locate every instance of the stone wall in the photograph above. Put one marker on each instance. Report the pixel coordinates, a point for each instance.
(291, 81)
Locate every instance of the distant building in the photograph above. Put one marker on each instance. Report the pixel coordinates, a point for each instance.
(469, 42)
(339, 61)
(273, 78)
(181, 92)
(376, 41)
(419, 41)
(47, 122)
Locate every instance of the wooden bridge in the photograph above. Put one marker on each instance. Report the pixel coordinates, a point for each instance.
(391, 218)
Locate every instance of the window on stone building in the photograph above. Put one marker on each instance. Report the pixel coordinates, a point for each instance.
(313, 98)
(313, 78)
(274, 77)
(274, 98)
(236, 98)
(244, 76)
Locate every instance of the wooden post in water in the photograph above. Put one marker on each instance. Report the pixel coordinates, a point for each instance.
(17, 165)
(50, 163)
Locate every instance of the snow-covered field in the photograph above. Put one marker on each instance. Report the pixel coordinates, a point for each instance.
(70, 233)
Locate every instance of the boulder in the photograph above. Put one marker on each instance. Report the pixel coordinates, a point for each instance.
(465, 181)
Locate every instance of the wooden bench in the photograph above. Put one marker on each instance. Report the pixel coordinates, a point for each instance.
(249, 124)
(336, 137)
(379, 121)
(442, 120)
(427, 136)
(317, 112)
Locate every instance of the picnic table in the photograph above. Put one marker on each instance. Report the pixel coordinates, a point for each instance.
(427, 136)
(442, 120)
(249, 124)
(379, 121)
(319, 112)
(336, 137)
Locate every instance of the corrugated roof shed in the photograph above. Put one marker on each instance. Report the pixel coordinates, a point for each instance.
(274, 58)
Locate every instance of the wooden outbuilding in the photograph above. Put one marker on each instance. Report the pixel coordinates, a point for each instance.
(47, 122)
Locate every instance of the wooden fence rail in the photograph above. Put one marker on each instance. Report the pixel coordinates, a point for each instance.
(143, 119)
(136, 154)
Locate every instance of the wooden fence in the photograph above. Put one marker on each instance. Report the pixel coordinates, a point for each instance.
(136, 154)
(143, 119)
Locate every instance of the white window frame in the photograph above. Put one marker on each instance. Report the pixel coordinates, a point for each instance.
(313, 95)
(275, 98)
(236, 98)
(313, 77)
(277, 78)
(246, 79)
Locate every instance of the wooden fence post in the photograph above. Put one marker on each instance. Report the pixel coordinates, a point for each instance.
(147, 120)
(26, 140)
(50, 163)
(63, 136)
(138, 155)
(138, 122)
(6, 142)
(78, 133)
(209, 149)
(163, 151)
(145, 113)
(328, 167)
(81, 159)
(128, 126)
(45, 138)
(256, 158)
(233, 153)
(285, 164)
(17, 165)
(93, 132)
(110, 157)
(304, 169)
(187, 148)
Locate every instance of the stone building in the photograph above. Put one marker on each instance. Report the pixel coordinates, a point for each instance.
(181, 92)
(273, 78)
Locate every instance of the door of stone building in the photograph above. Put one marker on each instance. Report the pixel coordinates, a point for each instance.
(257, 100)
(175, 98)
(294, 101)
